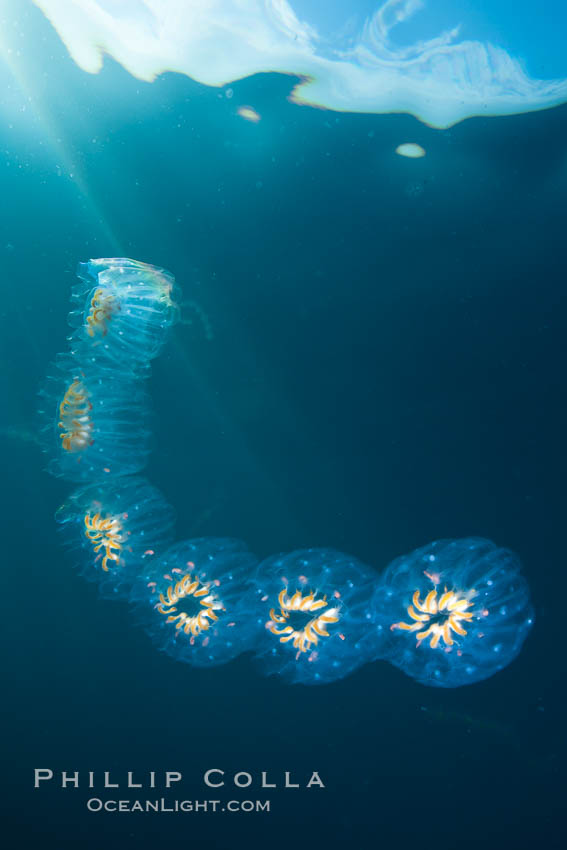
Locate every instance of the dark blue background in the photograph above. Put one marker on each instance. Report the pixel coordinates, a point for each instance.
(373, 356)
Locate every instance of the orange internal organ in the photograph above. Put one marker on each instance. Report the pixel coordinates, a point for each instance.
(105, 533)
(74, 418)
(449, 611)
(103, 305)
(186, 587)
(314, 629)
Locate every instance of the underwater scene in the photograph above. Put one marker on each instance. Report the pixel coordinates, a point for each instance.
(282, 359)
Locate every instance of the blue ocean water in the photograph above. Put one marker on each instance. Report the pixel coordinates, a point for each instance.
(371, 357)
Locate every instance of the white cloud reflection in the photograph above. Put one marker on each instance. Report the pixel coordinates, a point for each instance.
(440, 80)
